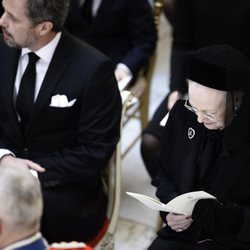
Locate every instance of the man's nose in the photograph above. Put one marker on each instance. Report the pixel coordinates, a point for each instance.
(2, 19)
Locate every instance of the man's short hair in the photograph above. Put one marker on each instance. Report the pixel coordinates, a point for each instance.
(20, 198)
(54, 11)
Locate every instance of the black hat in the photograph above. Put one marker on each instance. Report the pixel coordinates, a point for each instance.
(219, 67)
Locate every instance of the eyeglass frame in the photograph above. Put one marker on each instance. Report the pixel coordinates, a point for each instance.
(208, 115)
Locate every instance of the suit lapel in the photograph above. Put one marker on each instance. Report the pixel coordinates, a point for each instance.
(9, 83)
(55, 71)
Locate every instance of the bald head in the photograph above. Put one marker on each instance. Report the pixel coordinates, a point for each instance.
(20, 200)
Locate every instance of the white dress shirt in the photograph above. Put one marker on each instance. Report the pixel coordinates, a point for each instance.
(45, 54)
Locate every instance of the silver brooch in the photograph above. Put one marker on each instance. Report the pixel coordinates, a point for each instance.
(191, 133)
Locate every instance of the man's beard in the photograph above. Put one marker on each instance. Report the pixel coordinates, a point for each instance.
(10, 41)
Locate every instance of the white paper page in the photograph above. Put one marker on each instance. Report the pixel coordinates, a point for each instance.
(185, 203)
(182, 204)
(150, 202)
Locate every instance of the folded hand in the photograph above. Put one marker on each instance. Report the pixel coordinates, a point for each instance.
(178, 222)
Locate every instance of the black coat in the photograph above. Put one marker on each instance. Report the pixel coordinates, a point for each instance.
(74, 143)
(124, 30)
(179, 171)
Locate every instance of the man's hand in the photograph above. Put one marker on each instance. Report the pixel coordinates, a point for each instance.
(178, 222)
(121, 73)
(9, 160)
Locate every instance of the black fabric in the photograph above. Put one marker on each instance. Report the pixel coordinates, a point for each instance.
(177, 174)
(149, 147)
(123, 30)
(209, 213)
(153, 127)
(204, 214)
(25, 97)
(208, 75)
(87, 10)
(206, 167)
(160, 244)
(151, 139)
(219, 67)
(73, 222)
(164, 244)
(237, 134)
(204, 23)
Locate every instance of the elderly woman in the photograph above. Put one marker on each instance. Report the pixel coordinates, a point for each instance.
(206, 146)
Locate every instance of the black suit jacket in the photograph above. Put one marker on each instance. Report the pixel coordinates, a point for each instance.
(124, 30)
(74, 143)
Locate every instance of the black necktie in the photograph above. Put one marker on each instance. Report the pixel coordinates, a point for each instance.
(25, 97)
(87, 10)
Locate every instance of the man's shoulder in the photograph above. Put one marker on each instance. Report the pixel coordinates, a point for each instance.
(82, 49)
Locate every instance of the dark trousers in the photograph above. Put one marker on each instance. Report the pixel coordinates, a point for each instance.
(163, 244)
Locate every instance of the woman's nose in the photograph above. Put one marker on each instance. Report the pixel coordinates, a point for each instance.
(200, 116)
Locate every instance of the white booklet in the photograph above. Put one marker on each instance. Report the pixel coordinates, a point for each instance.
(182, 204)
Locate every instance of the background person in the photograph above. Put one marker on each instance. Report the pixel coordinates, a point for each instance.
(206, 146)
(123, 30)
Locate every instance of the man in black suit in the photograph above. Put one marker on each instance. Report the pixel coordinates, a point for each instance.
(69, 130)
(124, 30)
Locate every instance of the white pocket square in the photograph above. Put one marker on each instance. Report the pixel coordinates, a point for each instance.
(61, 101)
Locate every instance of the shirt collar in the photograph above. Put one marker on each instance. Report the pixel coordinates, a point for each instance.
(25, 242)
(46, 52)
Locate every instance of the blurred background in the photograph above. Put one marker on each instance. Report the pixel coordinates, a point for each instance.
(137, 224)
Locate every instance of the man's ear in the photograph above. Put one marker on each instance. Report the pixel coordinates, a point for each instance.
(45, 28)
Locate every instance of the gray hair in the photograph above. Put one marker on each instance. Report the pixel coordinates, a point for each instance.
(21, 203)
(54, 11)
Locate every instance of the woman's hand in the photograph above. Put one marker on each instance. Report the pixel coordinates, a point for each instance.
(9, 160)
(178, 222)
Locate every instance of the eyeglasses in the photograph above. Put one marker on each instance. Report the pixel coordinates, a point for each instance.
(207, 114)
